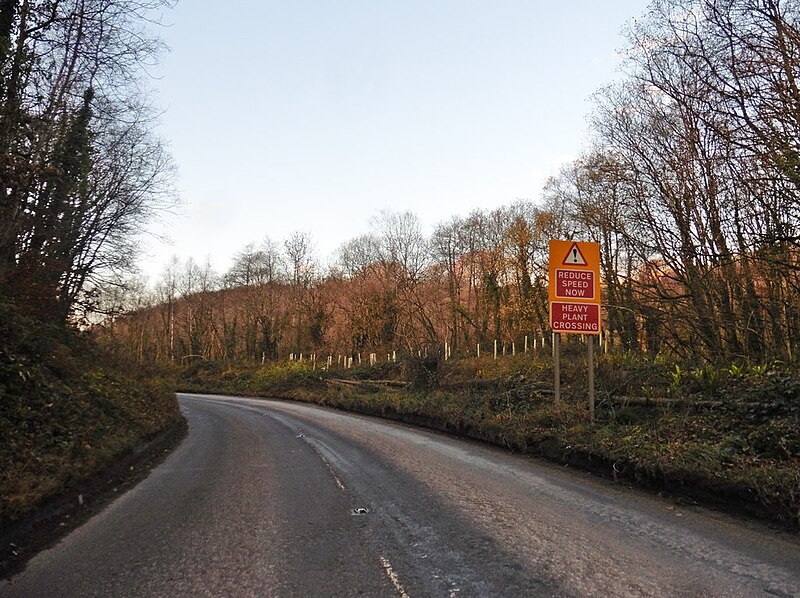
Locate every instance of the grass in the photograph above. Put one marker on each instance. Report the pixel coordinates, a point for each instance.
(727, 436)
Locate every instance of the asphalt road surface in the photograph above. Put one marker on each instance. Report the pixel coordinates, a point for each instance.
(269, 498)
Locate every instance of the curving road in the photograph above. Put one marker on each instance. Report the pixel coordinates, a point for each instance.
(269, 498)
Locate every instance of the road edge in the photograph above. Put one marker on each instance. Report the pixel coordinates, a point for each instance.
(60, 515)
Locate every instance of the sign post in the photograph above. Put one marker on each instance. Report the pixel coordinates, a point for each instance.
(557, 367)
(574, 293)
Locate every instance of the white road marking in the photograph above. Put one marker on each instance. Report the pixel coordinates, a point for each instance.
(387, 566)
(327, 464)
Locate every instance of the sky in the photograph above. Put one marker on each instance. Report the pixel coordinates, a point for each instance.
(315, 115)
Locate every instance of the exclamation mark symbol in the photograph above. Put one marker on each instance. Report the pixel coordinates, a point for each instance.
(574, 256)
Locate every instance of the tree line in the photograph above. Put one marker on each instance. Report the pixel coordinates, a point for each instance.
(690, 185)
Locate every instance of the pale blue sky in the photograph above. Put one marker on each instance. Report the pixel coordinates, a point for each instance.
(302, 115)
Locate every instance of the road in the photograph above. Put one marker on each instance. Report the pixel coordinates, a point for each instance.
(270, 498)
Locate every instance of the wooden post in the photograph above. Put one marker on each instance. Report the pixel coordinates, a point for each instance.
(526, 344)
(590, 342)
(495, 348)
(478, 350)
(513, 348)
(557, 366)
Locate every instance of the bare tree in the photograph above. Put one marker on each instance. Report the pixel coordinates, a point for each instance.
(302, 270)
(167, 292)
(80, 166)
(704, 131)
(255, 321)
(449, 249)
(404, 259)
(594, 191)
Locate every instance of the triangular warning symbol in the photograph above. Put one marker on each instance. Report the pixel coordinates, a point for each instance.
(574, 257)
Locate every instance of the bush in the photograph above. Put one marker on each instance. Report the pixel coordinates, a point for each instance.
(281, 375)
(421, 373)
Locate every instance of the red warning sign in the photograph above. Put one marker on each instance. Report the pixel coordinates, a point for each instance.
(580, 318)
(574, 284)
(574, 289)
